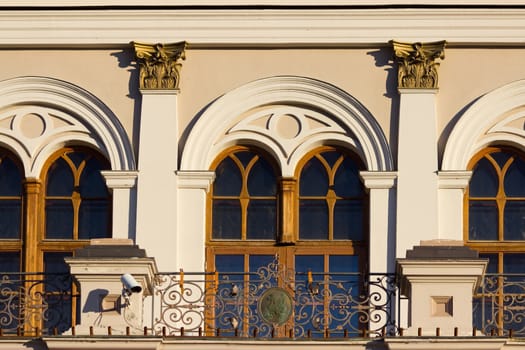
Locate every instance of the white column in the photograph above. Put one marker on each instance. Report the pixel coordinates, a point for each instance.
(122, 183)
(452, 185)
(193, 187)
(417, 184)
(157, 161)
(382, 229)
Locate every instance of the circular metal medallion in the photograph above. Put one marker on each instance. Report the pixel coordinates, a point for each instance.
(275, 306)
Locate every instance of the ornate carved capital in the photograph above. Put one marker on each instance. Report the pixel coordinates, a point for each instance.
(417, 66)
(158, 64)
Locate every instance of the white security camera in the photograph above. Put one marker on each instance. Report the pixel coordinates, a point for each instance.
(130, 284)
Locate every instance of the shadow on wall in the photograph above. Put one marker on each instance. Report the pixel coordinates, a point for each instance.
(384, 58)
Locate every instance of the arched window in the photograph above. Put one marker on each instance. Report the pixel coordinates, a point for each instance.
(247, 216)
(495, 226)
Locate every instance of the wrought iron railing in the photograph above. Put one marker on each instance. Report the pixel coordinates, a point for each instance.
(499, 305)
(275, 302)
(36, 304)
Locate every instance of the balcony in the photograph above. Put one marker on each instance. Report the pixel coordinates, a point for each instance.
(271, 303)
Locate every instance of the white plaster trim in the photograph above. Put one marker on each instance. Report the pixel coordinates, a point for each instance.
(210, 136)
(195, 179)
(417, 91)
(314, 26)
(378, 179)
(484, 123)
(120, 179)
(454, 179)
(159, 91)
(91, 121)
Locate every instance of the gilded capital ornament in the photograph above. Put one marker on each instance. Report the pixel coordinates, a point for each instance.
(417, 66)
(159, 66)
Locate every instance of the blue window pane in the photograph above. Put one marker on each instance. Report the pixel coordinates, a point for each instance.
(349, 218)
(54, 262)
(60, 181)
(245, 157)
(514, 263)
(314, 179)
(347, 182)
(59, 219)
(484, 181)
(94, 219)
(92, 183)
(9, 262)
(501, 158)
(313, 219)
(262, 180)
(514, 221)
(229, 263)
(344, 263)
(483, 220)
(226, 219)
(57, 294)
(262, 219)
(10, 178)
(515, 179)
(228, 179)
(492, 266)
(331, 157)
(10, 219)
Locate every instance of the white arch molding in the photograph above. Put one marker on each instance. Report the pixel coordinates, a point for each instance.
(60, 114)
(315, 113)
(496, 118)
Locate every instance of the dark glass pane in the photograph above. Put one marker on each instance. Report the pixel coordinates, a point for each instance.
(514, 183)
(313, 219)
(9, 262)
(483, 220)
(226, 219)
(77, 157)
(94, 219)
(10, 178)
(262, 180)
(10, 219)
(492, 266)
(344, 263)
(92, 184)
(313, 263)
(245, 157)
(228, 179)
(60, 180)
(346, 181)
(262, 219)
(484, 182)
(513, 263)
(54, 262)
(349, 220)
(260, 261)
(331, 157)
(514, 221)
(229, 263)
(59, 219)
(314, 180)
(501, 158)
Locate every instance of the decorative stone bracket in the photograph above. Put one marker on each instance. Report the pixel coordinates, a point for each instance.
(417, 66)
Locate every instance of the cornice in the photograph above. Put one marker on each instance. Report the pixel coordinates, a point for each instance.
(243, 27)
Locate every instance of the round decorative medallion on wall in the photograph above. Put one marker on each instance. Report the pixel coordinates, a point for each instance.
(275, 306)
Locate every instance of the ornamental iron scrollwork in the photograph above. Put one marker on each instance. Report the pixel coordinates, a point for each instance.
(499, 305)
(275, 301)
(34, 304)
(159, 66)
(417, 66)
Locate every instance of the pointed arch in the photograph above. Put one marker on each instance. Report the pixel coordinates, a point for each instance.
(315, 112)
(61, 113)
(497, 118)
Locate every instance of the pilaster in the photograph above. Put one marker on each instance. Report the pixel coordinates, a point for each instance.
(193, 187)
(122, 183)
(381, 186)
(417, 186)
(159, 71)
(452, 185)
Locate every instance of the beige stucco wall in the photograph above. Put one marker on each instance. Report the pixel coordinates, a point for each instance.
(104, 73)
(468, 73)
(207, 74)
